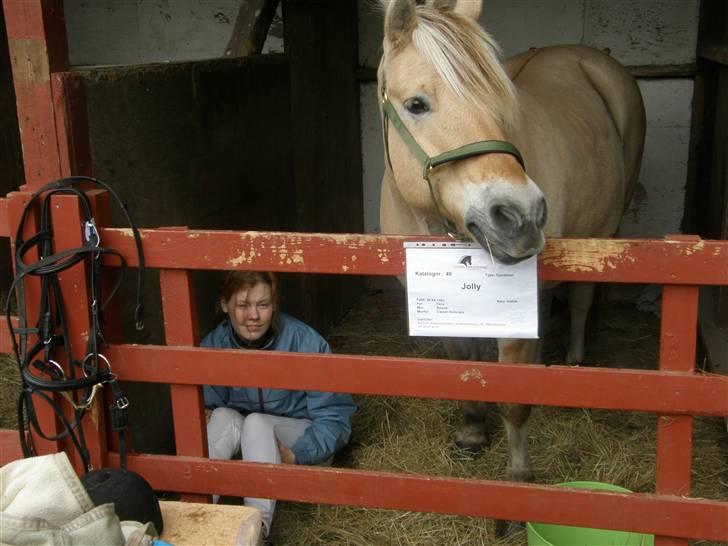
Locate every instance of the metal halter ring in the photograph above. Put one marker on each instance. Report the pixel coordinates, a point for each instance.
(58, 367)
(102, 357)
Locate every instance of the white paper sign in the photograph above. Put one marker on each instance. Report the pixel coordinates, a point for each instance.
(456, 290)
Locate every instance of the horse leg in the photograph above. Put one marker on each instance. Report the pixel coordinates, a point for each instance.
(472, 436)
(514, 418)
(580, 301)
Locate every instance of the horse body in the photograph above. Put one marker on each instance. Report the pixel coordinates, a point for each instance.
(581, 128)
(575, 115)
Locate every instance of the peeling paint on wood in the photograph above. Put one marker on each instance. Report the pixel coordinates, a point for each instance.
(591, 255)
(474, 374)
(30, 61)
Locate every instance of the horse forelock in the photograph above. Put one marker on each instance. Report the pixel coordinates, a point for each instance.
(468, 60)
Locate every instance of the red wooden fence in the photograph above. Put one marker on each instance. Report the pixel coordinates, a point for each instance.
(675, 392)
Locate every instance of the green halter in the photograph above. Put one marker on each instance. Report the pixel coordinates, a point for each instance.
(389, 113)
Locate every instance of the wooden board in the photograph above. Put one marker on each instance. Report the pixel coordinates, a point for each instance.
(195, 524)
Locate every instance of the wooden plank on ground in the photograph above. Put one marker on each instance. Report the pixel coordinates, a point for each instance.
(196, 524)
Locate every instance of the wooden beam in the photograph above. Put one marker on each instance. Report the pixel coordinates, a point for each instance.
(38, 48)
(716, 53)
(598, 260)
(5, 229)
(658, 71)
(640, 512)
(649, 391)
(251, 27)
(9, 446)
(6, 346)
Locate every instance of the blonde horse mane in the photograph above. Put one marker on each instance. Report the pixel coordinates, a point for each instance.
(468, 60)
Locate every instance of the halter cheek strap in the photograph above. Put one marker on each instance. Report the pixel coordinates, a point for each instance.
(389, 114)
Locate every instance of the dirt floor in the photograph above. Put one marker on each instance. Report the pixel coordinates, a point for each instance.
(415, 436)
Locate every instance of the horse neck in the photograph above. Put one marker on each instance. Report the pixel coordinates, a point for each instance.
(396, 216)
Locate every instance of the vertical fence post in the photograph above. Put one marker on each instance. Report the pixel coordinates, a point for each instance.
(180, 328)
(678, 334)
(44, 413)
(38, 48)
(66, 214)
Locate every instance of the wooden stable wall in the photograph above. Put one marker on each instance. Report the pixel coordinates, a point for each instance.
(706, 204)
(264, 143)
(267, 143)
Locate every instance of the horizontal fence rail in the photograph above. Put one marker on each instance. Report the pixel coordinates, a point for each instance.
(690, 261)
(568, 386)
(640, 512)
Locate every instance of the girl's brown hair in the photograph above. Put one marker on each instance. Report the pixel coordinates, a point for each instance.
(239, 280)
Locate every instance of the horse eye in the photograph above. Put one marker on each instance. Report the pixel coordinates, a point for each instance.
(416, 106)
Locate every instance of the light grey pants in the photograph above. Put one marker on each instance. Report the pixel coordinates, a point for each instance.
(254, 438)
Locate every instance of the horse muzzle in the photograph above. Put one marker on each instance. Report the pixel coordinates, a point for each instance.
(509, 230)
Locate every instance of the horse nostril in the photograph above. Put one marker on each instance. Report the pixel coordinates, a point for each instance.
(506, 218)
(543, 213)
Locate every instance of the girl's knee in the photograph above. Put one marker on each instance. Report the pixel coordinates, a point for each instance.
(224, 421)
(256, 424)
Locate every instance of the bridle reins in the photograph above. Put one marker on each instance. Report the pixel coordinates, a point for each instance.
(52, 330)
(389, 114)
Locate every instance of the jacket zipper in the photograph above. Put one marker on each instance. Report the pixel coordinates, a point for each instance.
(260, 400)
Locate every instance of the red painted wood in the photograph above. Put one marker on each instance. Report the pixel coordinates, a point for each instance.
(5, 345)
(46, 418)
(9, 446)
(5, 229)
(69, 106)
(674, 432)
(38, 47)
(619, 260)
(432, 378)
(66, 213)
(180, 328)
(661, 514)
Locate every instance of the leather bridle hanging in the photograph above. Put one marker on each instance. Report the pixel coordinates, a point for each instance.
(40, 374)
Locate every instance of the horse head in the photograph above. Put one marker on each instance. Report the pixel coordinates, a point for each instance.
(445, 92)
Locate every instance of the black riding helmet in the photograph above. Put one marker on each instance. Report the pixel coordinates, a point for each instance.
(131, 494)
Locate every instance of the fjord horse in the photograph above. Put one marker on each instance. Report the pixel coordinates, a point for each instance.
(459, 126)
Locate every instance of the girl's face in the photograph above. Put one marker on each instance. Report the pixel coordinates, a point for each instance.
(250, 311)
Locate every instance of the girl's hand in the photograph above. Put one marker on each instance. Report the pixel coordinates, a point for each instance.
(287, 456)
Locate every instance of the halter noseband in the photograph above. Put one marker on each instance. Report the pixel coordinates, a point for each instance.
(389, 114)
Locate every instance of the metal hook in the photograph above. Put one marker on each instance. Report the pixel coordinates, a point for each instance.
(90, 231)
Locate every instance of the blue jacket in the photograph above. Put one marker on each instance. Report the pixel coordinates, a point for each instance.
(330, 413)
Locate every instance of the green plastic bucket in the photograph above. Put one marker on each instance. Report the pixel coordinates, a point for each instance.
(545, 534)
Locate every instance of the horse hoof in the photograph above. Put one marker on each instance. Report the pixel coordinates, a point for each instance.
(525, 475)
(505, 529)
(472, 446)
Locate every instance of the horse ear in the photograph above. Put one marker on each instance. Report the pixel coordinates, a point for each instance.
(468, 8)
(399, 20)
(443, 4)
